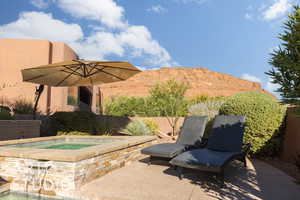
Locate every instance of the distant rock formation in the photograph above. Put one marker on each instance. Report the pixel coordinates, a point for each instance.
(201, 81)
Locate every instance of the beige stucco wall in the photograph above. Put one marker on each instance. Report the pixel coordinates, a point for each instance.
(17, 54)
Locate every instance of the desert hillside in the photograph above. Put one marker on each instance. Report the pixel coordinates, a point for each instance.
(201, 81)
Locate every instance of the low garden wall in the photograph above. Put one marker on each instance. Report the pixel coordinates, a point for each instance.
(291, 144)
(121, 122)
(162, 122)
(16, 129)
(114, 123)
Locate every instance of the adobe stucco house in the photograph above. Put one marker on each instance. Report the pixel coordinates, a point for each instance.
(18, 54)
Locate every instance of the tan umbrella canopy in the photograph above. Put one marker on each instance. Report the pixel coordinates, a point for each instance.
(79, 73)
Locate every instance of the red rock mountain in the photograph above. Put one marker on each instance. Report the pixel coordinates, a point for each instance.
(201, 81)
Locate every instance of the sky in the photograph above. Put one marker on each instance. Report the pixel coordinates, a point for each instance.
(234, 37)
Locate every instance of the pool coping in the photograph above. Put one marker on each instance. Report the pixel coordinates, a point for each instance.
(69, 155)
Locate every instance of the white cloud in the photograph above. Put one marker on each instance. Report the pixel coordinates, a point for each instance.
(137, 40)
(248, 16)
(105, 11)
(250, 77)
(39, 25)
(192, 1)
(98, 46)
(132, 41)
(41, 4)
(271, 87)
(157, 9)
(277, 9)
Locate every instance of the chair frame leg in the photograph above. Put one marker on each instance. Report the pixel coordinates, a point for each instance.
(150, 160)
(180, 172)
(245, 161)
(222, 178)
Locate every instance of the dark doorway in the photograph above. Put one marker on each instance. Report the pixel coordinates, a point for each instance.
(85, 98)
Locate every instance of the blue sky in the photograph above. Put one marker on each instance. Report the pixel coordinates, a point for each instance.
(229, 36)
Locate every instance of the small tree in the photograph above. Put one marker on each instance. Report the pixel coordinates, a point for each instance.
(286, 60)
(167, 100)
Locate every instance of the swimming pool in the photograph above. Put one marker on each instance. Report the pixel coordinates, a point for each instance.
(22, 196)
(66, 143)
(60, 165)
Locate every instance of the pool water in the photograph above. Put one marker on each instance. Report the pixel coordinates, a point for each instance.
(66, 144)
(17, 196)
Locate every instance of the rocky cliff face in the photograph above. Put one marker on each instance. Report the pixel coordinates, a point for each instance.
(201, 81)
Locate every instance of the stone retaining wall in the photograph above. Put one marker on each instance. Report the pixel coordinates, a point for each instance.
(16, 129)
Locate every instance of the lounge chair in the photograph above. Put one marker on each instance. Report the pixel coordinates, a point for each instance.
(190, 136)
(224, 145)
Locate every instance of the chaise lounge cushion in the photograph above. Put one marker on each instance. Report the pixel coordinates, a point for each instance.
(228, 132)
(192, 131)
(165, 150)
(204, 159)
(190, 136)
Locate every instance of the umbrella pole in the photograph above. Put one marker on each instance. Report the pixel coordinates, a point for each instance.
(38, 93)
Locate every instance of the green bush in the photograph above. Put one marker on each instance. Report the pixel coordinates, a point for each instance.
(22, 106)
(265, 117)
(152, 125)
(136, 128)
(73, 133)
(4, 109)
(80, 121)
(125, 106)
(5, 115)
(167, 99)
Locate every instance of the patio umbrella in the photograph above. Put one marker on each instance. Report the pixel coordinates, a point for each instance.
(77, 73)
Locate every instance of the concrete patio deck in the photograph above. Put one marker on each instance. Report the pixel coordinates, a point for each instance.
(138, 181)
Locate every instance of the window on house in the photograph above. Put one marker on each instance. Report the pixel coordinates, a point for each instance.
(72, 96)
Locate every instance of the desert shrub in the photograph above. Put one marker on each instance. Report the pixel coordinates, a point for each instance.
(5, 115)
(73, 133)
(22, 106)
(209, 108)
(167, 99)
(125, 106)
(203, 98)
(265, 117)
(198, 99)
(152, 125)
(136, 128)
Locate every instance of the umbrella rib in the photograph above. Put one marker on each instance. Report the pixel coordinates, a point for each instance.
(72, 73)
(113, 67)
(112, 75)
(89, 72)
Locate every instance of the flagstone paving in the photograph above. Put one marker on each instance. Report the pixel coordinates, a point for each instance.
(138, 181)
